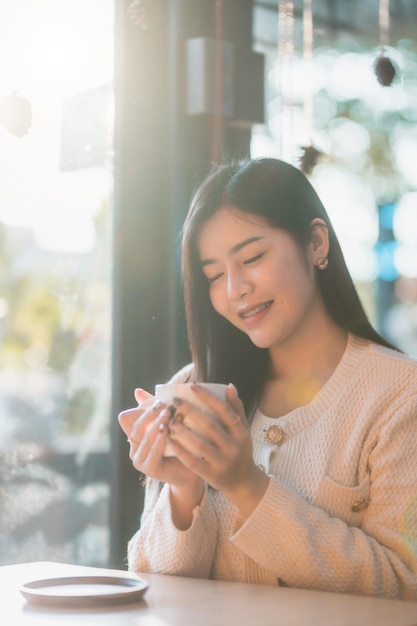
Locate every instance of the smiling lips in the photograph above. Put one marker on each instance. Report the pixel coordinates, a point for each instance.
(256, 309)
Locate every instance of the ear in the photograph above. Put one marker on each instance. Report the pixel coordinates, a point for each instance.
(319, 243)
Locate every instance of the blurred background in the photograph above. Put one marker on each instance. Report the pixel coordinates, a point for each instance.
(111, 112)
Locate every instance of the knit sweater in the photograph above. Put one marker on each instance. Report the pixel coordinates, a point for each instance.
(340, 511)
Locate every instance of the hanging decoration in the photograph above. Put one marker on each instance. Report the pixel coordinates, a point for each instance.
(384, 68)
(285, 62)
(309, 158)
(385, 71)
(15, 114)
(309, 154)
(141, 12)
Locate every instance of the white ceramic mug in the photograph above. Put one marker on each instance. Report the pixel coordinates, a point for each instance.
(167, 392)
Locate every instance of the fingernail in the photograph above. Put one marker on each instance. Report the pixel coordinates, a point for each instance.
(165, 414)
(161, 428)
(157, 405)
(195, 387)
(177, 401)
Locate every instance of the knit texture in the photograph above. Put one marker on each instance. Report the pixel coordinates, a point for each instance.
(340, 511)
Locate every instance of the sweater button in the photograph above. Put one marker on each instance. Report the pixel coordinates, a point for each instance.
(360, 505)
(274, 435)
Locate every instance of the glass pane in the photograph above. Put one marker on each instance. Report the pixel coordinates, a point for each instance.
(322, 92)
(56, 71)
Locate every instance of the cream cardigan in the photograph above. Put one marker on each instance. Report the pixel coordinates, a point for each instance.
(340, 512)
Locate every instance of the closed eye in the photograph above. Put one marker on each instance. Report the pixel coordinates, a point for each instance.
(253, 258)
(212, 279)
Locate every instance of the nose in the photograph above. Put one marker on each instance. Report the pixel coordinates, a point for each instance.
(237, 286)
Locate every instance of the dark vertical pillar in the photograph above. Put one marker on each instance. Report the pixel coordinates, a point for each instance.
(143, 239)
(161, 153)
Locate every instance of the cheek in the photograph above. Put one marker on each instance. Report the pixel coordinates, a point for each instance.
(298, 276)
(217, 299)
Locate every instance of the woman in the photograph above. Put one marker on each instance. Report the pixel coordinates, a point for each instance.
(308, 476)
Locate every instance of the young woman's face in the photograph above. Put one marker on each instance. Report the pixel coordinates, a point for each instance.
(259, 280)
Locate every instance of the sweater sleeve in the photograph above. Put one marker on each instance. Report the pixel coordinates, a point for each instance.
(317, 547)
(158, 547)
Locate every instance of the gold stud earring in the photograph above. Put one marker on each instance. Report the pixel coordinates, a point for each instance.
(322, 263)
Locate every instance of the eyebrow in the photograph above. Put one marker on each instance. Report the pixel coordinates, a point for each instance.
(234, 250)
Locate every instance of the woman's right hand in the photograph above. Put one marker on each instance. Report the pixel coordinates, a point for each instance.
(146, 427)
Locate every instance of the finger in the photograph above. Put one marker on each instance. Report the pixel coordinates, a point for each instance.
(141, 395)
(145, 419)
(157, 451)
(142, 450)
(197, 421)
(197, 463)
(233, 399)
(229, 416)
(189, 445)
(127, 419)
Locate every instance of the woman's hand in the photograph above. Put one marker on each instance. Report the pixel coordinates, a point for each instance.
(146, 427)
(220, 448)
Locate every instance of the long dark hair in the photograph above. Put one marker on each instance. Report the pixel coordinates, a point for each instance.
(282, 195)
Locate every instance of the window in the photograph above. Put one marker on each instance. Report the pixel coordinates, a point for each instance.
(56, 69)
(330, 99)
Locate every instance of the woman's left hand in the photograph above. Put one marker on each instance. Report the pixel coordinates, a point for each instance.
(220, 448)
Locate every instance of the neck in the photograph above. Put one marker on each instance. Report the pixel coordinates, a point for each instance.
(315, 351)
(300, 368)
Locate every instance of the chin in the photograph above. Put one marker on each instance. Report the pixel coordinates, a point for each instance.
(263, 342)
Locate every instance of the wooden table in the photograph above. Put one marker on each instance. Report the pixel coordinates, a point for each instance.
(176, 601)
